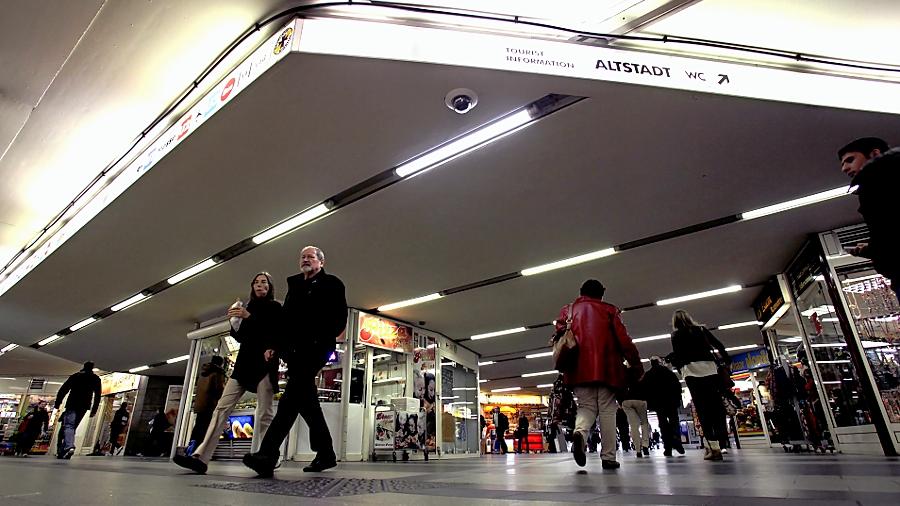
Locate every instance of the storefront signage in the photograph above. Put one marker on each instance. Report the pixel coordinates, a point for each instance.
(500, 52)
(384, 430)
(769, 301)
(117, 382)
(750, 361)
(385, 334)
(254, 66)
(806, 266)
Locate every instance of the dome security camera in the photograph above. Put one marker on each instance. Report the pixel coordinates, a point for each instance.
(461, 100)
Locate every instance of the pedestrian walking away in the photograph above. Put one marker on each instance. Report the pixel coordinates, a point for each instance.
(83, 391)
(314, 315)
(663, 390)
(599, 371)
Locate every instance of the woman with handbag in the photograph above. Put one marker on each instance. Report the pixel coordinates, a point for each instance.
(703, 372)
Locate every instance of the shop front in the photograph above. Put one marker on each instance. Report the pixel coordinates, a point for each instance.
(535, 408)
(843, 360)
(117, 402)
(382, 394)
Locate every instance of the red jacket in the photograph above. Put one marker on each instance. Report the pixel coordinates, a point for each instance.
(602, 342)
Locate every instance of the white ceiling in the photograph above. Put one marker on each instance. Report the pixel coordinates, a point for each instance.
(624, 164)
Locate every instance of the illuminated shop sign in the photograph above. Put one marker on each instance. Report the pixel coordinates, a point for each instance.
(386, 334)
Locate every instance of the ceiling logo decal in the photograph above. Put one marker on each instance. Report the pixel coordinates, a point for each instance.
(226, 90)
(284, 41)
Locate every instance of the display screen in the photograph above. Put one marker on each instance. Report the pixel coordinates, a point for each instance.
(239, 427)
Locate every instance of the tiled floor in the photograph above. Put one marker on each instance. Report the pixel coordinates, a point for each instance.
(758, 477)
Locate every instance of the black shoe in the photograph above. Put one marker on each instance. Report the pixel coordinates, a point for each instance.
(610, 464)
(192, 463)
(320, 464)
(578, 449)
(646, 451)
(667, 452)
(69, 453)
(264, 465)
(680, 449)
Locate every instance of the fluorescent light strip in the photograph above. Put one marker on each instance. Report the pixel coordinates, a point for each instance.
(381, 355)
(9, 347)
(510, 389)
(651, 338)
(45, 342)
(466, 389)
(409, 302)
(139, 369)
(701, 295)
(829, 345)
(128, 302)
(831, 382)
(744, 347)
(489, 362)
(291, 224)
(498, 333)
(178, 359)
(542, 373)
(483, 381)
(832, 361)
(738, 325)
(795, 339)
(479, 138)
(181, 276)
(82, 324)
(777, 316)
(793, 204)
(546, 385)
(539, 355)
(395, 379)
(559, 264)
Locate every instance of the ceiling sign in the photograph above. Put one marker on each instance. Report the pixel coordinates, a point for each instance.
(116, 382)
(385, 334)
(449, 47)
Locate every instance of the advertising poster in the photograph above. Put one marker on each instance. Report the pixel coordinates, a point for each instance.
(173, 400)
(410, 430)
(425, 388)
(239, 427)
(384, 430)
(381, 333)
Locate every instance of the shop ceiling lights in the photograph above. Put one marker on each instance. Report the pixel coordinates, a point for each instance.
(744, 347)
(181, 276)
(178, 359)
(49, 340)
(539, 355)
(651, 338)
(777, 316)
(489, 362)
(138, 369)
(488, 335)
(738, 325)
(9, 347)
(560, 264)
(510, 389)
(464, 144)
(82, 324)
(795, 339)
(128, 302)
(546, 385)
(409, 302)
(793, 204)
(292, 223)
(819, 310)
(483, 381)
(542, 373)
(701, 295)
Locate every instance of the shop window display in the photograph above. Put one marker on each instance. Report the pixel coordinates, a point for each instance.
(875, 312)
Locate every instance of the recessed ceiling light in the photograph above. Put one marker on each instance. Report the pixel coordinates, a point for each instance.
(800, 202)
(292, 223)
(510, 389)
(546, 385)
(9, 347)
(45, 342)
(181, 276)
(539, 355)
(138, 369)
(498, 333)
(738, 325)
(178, 359)
(651, 338)
(128, 302)
(542, 373)
(560, 264)
(489, 362)
(701, 295)
(409, 302)
(82, 324)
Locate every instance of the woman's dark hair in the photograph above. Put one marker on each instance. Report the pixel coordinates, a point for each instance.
(270, 295)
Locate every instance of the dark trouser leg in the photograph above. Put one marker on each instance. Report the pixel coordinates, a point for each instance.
(502, 440)
(300, 397)
(708, 402)
(668, 423)
(201, 423)
(25, 442)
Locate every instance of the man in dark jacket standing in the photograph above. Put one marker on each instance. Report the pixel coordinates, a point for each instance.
(36, 422)
(117, 426)
(314, 315)
(81, 387)
(875, 169)
(522, 433)
(603, 346)
(663, 391)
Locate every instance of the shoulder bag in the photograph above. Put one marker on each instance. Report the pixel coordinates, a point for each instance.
(565, 348)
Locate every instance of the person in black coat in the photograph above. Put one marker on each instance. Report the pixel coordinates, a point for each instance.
(117, 426)
(81, 387)
(663, 391)
(705, 375)
(875, 169)
(315, 314)
(522, 433)
(256, 327)
(35, 422)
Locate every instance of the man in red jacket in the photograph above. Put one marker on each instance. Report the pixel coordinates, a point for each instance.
(603, 347)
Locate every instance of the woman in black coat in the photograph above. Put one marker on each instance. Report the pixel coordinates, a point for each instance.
(256, 327)
(692, 354)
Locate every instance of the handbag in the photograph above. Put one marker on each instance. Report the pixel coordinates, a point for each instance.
(565, 348)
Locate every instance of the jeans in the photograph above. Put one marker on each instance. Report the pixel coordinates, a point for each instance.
(591, 401)
(636, 410)
(301, 397)
(706, 394)
(70, 420)
(265, 394)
